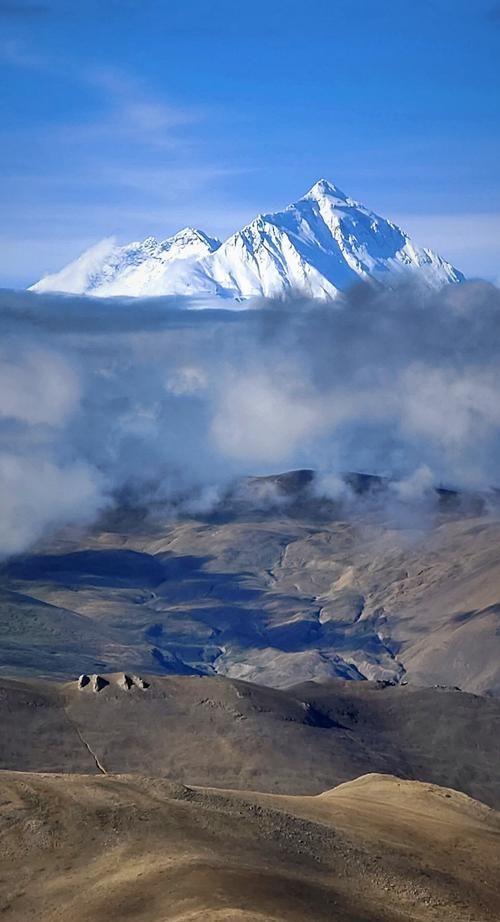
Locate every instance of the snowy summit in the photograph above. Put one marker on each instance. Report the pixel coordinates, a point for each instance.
(319, 246)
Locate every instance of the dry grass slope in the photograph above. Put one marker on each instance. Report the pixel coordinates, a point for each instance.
(121, 847)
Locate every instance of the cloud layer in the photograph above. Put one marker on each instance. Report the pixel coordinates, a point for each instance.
(96, 396)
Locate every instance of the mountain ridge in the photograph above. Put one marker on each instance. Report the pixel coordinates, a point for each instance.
(318, 246)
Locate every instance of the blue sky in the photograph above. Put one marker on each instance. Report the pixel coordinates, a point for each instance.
(123, 118)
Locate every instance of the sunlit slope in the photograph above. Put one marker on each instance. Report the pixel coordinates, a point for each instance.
(80, 848)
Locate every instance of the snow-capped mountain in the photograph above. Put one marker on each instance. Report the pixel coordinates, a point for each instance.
(319, 246)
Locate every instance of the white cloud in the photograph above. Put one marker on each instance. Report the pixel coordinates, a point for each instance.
(36, 386)
(263, 418)
(36, 493)
(98, 395)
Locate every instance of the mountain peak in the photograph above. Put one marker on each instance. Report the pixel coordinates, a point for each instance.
(189, 233)
(190, 236)
(324, 188)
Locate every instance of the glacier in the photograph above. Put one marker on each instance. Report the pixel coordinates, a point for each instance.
(318, 247)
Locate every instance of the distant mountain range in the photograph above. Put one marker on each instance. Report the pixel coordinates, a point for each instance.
(319, 246)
